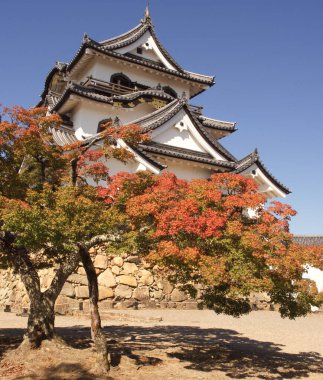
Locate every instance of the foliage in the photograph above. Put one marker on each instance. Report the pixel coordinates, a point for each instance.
(45, 201)
(202, 231)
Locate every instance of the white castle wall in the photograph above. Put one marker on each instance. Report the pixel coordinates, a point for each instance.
(104, 68)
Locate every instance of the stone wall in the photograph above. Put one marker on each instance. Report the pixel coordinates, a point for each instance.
(125, 281)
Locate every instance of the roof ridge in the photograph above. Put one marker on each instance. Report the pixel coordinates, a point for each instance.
(185, 154)
(123, 34)
(220, 121)
(254, 157)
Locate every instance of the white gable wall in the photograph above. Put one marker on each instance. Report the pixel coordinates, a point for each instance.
(150, 51)
(183, 136)
(268, 188)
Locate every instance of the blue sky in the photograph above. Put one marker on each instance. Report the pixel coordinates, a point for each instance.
(267, 56)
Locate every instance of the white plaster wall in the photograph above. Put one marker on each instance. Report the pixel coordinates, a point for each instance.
(315, 275)
(151, 51)
(187, 172)
(88, 114)
(189, 138)
(266, 187)
(104, 68)
(115, 166)
(174, 138)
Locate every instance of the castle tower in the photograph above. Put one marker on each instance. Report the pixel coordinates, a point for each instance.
(132, 79)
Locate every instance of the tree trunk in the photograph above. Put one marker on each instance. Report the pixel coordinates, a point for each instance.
(40, 320)
(41, 316)
(97, 334)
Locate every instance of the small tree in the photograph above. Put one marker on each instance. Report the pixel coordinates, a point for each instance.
(49, 215)
(202, 232)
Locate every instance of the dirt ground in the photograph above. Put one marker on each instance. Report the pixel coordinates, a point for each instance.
(171, 344)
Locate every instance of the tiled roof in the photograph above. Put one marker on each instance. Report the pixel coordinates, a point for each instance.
(211, 140)
(63, 135)
(144, 93)
(308, 240)
(217, 124)
(183, 153)
(133, 35)
(253, 158)
(96, 46)
(66, 136)
(160, 116)
(59, 67)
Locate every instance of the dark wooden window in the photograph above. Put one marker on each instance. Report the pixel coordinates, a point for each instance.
(170, 91)
(103, 123)
(121, 80)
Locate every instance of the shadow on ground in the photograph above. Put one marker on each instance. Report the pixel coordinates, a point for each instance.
(60, 372)
(205, 350)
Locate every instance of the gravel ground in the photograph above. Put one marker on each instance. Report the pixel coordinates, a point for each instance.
(194, 344)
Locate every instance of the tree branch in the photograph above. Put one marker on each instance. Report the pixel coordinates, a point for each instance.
(20, 261)
(102, 239)
(64, 270)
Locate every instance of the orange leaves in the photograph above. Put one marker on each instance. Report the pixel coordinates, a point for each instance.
(168, 249)
(131, 133)
(209, 224)
(178, 217)
(233, 183)
(281, 210)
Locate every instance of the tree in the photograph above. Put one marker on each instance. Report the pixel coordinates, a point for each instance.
(202, 232)
(49, 215)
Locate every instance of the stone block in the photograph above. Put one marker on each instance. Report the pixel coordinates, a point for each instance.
(133, 259)
(147, 279)
(81, 271)
(141, 294)
(178, 296)
(129, 304)
(46, 280)
(68, 290)
(25, 300)
(107, 279)
(105, 293)
(82, 292)
(101, 262)
(115, 269)
(92, 251)
(166, 286)
(77, 279)
(129, 268)
(127, 280)
(158, 294)
(118, 261)
(123, 291)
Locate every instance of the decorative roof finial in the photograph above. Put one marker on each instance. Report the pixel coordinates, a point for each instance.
(147, 13)
(85, 38)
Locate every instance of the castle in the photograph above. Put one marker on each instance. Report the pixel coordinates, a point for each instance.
(132, 79)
